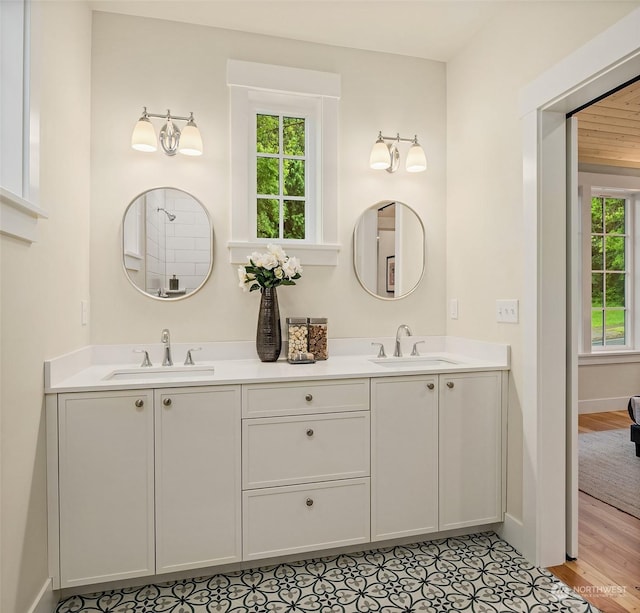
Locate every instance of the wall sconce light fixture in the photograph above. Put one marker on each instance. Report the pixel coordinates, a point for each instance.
(385, 156)
(186, 141)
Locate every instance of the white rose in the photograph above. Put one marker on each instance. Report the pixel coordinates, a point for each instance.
(278, 252)
(278, 273)
(291, 267)
(269, 261)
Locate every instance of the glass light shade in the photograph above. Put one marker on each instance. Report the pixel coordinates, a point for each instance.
(416, 159)
(380, 158)
(144, 136)
(190, 140)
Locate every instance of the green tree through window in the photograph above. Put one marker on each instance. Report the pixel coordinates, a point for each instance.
(608, 271)
(280, 177)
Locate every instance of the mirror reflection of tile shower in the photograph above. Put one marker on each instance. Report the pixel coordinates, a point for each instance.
(167, 243)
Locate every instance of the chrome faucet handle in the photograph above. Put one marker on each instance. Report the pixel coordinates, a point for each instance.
(414, 351)
(381, 353)
(188, 361)
(145, 360)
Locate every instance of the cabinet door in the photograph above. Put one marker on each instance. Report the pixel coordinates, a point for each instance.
(404, 455)
(470, 449)
(105, 486)
(198, 489)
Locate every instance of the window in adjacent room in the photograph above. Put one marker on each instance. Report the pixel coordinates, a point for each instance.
(610, 272)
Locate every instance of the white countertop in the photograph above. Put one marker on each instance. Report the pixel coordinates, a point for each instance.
(90, 368)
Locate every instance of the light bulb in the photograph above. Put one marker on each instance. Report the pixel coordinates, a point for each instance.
(144, 135)
(380, 158)
(190, 139)
(416, 159)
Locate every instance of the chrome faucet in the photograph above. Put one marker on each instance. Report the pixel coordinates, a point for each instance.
(166, 352)
(397, 352)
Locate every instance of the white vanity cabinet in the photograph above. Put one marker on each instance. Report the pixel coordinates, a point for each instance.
(148, 482)
(437, 453)
(306, 466)
(197, 477)
(470, 449)
(404, 456)
(105, 483)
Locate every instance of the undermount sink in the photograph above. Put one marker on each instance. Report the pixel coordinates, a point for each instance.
(162, 372)
(414, 362)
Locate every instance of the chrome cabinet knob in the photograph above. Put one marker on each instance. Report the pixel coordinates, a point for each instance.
(430, 386)
(167, 402)
(449, 384)
(310, 432)
(139, 403)
(308, 397)
(309, 502)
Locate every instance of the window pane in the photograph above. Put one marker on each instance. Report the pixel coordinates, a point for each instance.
(614, 327)
(293, 177)
(293, 219)
(614, 215)
(293, 135)
(597, 259)
(267, 134)
(596, 216)
(614, 248)
(597, 289)
(268, 176)
(615, 283)
(596, 328)
(268, 224)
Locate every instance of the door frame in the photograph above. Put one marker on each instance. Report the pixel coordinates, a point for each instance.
(608, 60)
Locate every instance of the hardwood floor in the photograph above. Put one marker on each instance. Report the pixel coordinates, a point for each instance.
(607, 571)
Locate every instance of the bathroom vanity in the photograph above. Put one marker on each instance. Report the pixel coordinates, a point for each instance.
(237, 460)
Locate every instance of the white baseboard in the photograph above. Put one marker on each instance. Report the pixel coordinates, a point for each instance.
(601, 405)
(46, 601)
(512, 531)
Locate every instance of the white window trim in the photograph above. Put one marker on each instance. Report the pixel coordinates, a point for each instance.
(19, 213)
(614, 186)
(243, 78)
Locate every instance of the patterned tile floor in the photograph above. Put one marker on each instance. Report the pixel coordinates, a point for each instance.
(478, 573)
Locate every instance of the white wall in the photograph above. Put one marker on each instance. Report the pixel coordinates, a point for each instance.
(484, 173)
(134, 66)
(41, 289)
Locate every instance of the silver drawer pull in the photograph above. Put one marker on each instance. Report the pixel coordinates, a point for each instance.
(310, 432)
(449, 384)
(139, 403)
(430, 386)
(309, 502)
(308, 397)
(167, 402)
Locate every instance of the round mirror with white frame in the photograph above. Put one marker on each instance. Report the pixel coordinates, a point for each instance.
(167, 243)
(389, 250)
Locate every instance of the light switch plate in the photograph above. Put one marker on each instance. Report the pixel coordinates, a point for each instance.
(507, 311)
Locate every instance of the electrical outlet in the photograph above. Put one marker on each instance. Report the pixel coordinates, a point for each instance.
(507, 311)
(453, 308)
(84, 312)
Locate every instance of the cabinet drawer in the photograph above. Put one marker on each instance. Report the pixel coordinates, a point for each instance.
(297, 518)
(295, 398)
(306, 448)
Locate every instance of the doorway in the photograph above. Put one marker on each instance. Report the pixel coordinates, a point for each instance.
(598, 67)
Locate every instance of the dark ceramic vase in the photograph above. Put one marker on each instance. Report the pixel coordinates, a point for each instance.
(269, 333)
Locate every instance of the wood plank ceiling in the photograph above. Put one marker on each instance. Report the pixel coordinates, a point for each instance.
(609, 130)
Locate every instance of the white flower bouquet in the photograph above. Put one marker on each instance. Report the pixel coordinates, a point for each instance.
(269, 269)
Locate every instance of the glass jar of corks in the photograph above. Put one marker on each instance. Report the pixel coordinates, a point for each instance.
(318, 337)
(307, 337)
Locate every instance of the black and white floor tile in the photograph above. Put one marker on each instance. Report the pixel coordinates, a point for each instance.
(479, 573)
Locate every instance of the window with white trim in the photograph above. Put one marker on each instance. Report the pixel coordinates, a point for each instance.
(19, 143)
(283, 155)
(610, 271)
(610, 261)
